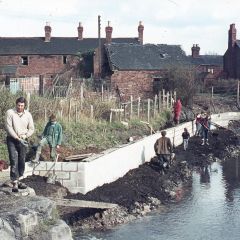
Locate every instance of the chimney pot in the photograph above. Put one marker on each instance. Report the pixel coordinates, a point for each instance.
(108, 31)
(195, 50)
(80, 31)
(140, 32)
(48, 31)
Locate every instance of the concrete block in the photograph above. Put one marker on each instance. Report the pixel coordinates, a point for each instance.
(52, 165)
(42, 166)
(63, 175)
(69, 183)
(70, 166)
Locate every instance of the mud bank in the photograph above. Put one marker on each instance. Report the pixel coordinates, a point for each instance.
(143, 189)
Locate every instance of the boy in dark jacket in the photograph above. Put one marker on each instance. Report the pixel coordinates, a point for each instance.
(52, 135)
(185, 136)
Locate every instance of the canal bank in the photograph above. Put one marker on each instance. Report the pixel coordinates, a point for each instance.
(144, 189)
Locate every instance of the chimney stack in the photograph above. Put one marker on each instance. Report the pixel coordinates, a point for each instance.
(80, 31)
(232, 36)
(195, 51)
(108, 30)
(140, 32)
(48, 30)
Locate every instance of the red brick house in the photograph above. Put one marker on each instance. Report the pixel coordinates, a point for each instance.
(209, 68)
(48, 56)
(142, 70)
(137, 69)
(232, 55)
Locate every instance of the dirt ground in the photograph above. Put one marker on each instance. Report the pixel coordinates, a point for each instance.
(145, 182)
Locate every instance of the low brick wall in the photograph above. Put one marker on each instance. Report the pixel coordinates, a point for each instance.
(114, 163)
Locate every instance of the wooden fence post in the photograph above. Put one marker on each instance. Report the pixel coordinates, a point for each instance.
(163, 97)
(138, 110)
(155, 106)
(148, 112)
(167, 100)
(81, 96)
(159, 102)
(76, 113)
(175, 96)
(131, 106)
(69, 108)
(91, 113)
(171, 99)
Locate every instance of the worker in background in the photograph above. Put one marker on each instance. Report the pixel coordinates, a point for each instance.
(185, 136)
(163, 148)
(177, 108)
(205, 128)
(52, 136)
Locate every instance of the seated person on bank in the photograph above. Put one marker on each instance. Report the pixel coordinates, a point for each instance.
(163, 148)
(52, 135)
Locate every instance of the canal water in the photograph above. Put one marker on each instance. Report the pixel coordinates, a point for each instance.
(210, 210)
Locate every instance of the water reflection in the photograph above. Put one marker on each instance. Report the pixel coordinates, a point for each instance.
(209, 211)
(204, 175)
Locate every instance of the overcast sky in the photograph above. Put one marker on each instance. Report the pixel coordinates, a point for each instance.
(183, 22)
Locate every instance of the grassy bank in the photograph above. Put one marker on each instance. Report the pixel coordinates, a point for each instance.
(84, 133)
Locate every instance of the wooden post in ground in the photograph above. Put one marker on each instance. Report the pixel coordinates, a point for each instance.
(148, 112)
(138, 108)
(155, 106)
(212, 93)
(91, 110)
(159, 102)
(69, 109)
(175, 96)
(76, 113)
(131, 106)
(81, 96)
(171, 98)
(167, 100)
(163, 98)
(110, 117)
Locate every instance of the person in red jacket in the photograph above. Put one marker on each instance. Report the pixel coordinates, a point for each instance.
(177, 111)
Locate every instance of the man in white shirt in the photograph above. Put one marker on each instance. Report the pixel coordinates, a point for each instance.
(19, 126)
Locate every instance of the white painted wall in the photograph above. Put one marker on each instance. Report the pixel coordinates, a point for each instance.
(115, 163)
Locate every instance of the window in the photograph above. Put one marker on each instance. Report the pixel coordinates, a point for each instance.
(64, 59)
(24, 60)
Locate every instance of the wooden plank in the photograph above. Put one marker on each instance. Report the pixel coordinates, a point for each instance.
(78, 156)
(82, 203)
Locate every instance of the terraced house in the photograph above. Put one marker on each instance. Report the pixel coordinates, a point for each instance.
(131, 67)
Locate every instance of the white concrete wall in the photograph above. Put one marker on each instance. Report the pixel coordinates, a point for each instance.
(115, 163)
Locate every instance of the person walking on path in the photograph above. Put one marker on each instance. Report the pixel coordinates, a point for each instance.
(52, 135)
(205, 128)
(177, 111)
(19, 127)
(163, 148)
(185, 136)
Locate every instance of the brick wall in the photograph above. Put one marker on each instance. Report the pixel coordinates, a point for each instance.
(39, 65)
(135, 83)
